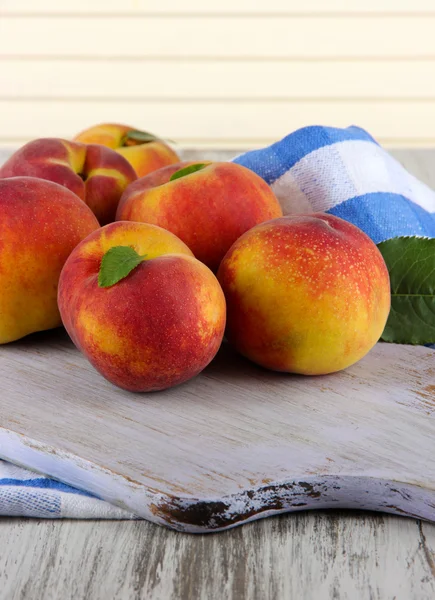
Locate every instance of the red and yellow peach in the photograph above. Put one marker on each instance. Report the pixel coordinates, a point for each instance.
(158, 326)
(41, 223)
(145, 152)
(305, 294)
(96, 174)
(208, 209)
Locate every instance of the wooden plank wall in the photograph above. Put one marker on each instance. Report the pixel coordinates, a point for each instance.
(233, 73)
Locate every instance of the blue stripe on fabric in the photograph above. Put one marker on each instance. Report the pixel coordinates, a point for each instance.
(275, 160)
(29, 503)
(42, 483)
(43, 504)
(383, 216)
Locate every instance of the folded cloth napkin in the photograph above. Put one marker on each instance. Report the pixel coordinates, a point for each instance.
(27, 494)
(341, 171)
(346, 173)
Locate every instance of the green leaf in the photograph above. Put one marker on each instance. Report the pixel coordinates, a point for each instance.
(187, 171)
(411, 264)
(136, 137)
(141, 137)
(116, 264)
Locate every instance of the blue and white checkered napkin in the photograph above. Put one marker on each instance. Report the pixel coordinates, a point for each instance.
(346, 173)
(341, 171)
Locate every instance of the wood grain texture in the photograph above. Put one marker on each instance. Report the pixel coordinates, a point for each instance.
(232, 445)
(318, 556)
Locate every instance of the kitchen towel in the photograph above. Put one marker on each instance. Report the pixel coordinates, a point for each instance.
(346, 173)
(27, 494)
(341, 171)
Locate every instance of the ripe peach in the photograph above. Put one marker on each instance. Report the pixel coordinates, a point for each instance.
(41, 223)
(305, 294)
(155, 328)
(96, 174)
(144, 151)
(208, 209)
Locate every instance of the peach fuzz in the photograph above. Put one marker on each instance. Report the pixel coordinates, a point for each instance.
(96, 174)
(144, 156)
(42, 222)
(159, 326)
(208, 209)
(305, 294)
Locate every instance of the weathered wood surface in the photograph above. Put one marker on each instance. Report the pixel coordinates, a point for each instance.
(310, 556)
(232, 445)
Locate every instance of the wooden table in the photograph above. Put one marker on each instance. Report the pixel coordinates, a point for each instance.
(318, 555)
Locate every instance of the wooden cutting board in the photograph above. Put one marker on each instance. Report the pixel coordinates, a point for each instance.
(235, 444)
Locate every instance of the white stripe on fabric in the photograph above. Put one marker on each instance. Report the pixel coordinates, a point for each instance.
(333, 174)
(73, 506)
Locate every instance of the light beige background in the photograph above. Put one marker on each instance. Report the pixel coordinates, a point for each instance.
(227, 73)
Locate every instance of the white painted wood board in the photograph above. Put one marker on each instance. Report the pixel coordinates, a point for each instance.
(279, 37)
(194, 122)
(235, 444)
(117, 7)
(237, 80)
(230, 74)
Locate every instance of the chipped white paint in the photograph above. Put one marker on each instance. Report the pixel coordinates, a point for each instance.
(234, 444)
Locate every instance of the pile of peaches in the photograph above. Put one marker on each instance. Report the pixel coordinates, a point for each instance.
(148, 262)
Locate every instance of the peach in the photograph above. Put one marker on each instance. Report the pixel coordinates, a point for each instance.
(208, 209)
(42, 222)
(158, 326)
(306, 294)
(144, 151)
(96, 174)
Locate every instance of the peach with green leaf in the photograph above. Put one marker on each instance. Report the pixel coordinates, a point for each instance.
(145, 151)
(141, 308)
(96, 174)
(208, 205)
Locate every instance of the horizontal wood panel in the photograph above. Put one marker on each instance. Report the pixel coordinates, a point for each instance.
(191, 122)
(292, 37)
(224, 6)
(217, 80)
(199, 149)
